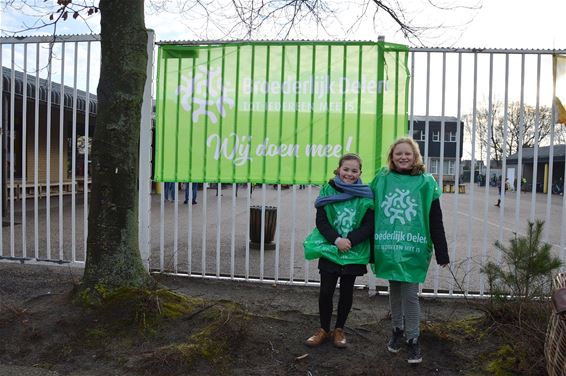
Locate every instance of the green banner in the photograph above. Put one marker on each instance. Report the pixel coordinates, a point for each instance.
(277, 112)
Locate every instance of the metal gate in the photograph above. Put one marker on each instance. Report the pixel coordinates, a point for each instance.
(48, 113)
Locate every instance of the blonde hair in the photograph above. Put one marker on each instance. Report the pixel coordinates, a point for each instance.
(348, 157)
(418, 165)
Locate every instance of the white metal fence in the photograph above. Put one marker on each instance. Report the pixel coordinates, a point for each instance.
(48, 114)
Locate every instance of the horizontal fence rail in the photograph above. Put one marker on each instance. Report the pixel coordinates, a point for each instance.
(480, 117)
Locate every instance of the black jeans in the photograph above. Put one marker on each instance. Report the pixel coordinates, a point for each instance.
(327, 286)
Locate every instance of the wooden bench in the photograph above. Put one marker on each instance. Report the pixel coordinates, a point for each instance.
(66, 187)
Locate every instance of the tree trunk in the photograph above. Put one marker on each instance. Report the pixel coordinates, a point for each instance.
(113, 258)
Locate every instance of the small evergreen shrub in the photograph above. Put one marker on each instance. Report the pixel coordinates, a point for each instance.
(519, 308)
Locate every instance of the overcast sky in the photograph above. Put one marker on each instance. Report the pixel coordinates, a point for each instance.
(498, 24)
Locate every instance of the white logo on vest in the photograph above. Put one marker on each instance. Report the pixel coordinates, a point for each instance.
(344, 221)
(399, 206)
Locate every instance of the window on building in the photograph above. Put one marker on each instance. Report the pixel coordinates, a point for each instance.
(451, 167)
(418, 135)
(433, 168)
(450, 136)
(436, 136)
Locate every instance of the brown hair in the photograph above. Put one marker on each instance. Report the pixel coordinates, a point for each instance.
(418, 166)
(348, 157)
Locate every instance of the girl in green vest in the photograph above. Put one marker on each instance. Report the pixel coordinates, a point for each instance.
(341, 242)
(408, 224)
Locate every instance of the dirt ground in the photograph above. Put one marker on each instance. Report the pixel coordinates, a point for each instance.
(264, 330)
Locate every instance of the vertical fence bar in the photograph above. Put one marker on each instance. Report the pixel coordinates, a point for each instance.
(309, 222)
(12, 154)
(234, 207)
(175, 226)
(190, 207)
(86, 175)
(162, 227)
(48, 156)
(535, 151)
(442, 122)
(204, 222)
(441, 166)
(548, 182)
(277, 235)
(74, 160)
(247, 258)
(190, 232)
(427, 109)
(294, 221)
(426, 121)
(145, 156)
(504, 155)
(472, 173)
(519, 175)
(219, 190)
(36, 158)
(218, 226)
(457, 168)
(412, 109)
(262, 232)
(488, 161)
(233, 230)
(24, 151)
(61, 148)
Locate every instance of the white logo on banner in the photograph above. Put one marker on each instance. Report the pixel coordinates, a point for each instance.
(205, 92)
(399, 206)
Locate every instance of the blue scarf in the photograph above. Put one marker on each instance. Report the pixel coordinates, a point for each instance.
(349, 191)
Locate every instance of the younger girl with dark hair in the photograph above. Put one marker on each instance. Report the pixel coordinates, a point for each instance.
(341, 242)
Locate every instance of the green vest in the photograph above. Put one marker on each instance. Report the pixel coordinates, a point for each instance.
(344, 216)
(403, 247)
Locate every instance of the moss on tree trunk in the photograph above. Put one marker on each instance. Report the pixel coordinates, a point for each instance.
(113, 258)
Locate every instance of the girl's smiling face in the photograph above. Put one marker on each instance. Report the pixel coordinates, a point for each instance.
(403, 157)
(349, 171)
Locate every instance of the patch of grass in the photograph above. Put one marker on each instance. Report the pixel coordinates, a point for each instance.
(213, 344)
(503, 362)
(460, 331)
(144, 308)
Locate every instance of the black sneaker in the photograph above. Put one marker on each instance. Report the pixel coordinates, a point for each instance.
(414, 351)
(396, 341)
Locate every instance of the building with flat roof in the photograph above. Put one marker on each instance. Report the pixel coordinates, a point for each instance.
(544, 165)
(431, 149)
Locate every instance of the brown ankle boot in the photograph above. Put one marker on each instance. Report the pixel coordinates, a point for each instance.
(339, 338)
(317, 338)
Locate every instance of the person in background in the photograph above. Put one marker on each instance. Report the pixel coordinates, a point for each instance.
(169, 191)
(502, 188)
(194, 194)
(408, 225)
(344, 226)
